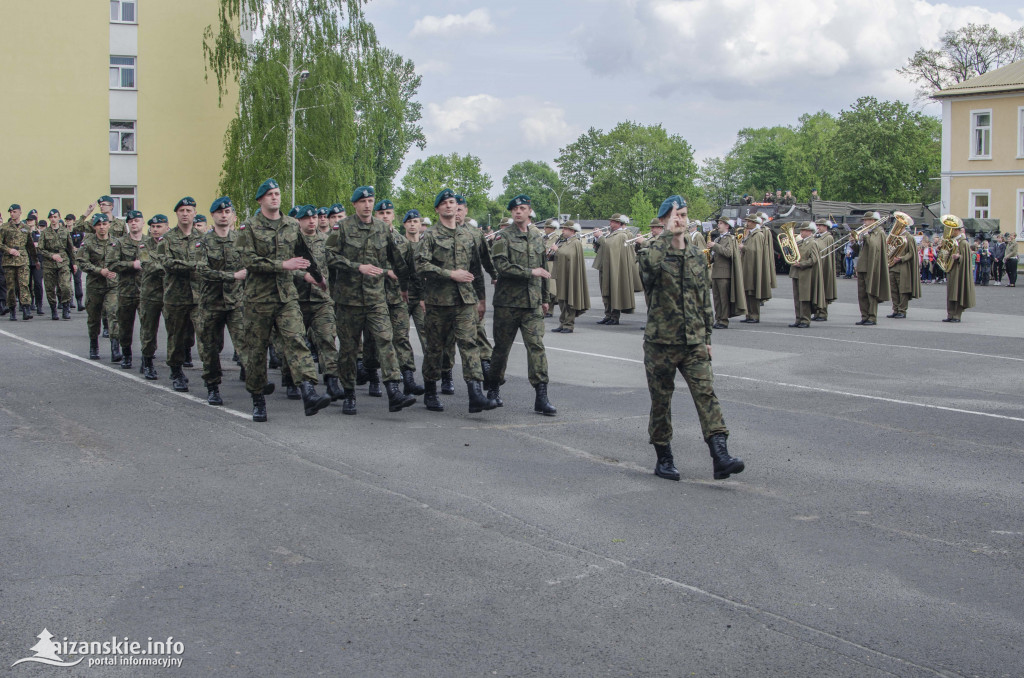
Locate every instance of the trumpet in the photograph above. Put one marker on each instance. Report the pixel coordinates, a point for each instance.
(855, 235)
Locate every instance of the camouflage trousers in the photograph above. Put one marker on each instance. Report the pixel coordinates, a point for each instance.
(101, 302)
(259, 320)
(211, 332)
(530, 323)
(418, 317)
(127, 306)
(352, 321)
(18, 286)
(149, 323)
(181, 321)
(483, 344)
(660, 363)
(457, 324)
(400, 325)
(57, 280)
(321, 327)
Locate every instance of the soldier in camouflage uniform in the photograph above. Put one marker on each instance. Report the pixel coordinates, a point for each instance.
(118, 226)
(221, 278)
(413, 225)
(484, 344)
(151, 293)
(18, 249)
(360, 254)
(178, 255)
(398, 295)
(57, 253)
(678, 337)
(77, 238)
(123, 258)
(449, 259)
(35, 265)
(267, 244)
(519, 254)
(100, 292)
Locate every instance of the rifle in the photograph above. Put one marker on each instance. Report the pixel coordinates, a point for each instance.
(302, 250)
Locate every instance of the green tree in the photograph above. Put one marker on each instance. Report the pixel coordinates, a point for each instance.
(810, 157)
(537, 180)
(427, 177)
(641, 211)
(963, 53)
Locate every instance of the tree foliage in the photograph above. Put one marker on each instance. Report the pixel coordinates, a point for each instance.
(963, 53)
(427, 177)
(537, 180)
(641, 211)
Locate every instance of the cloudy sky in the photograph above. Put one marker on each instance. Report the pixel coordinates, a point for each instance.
(510, 81)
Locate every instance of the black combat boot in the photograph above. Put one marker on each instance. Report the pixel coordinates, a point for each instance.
(485, 365)
(14, 311)
(39, 307)
(724, 464)
(26, 313)
(188, 358)
(94, 348)
(477, 400)
(291, 391)
(115, 351)
(65, 311)
(148, 371)
(541, 404)
(237, 360)
(396, 400)
(447, 383)
(665, 467)
(259, 407)
(333, 388)
(178, 381)
(126, 358)
(241, 373)
(361, 375)
(430, 398)
(213, 395)
(81, 306)
(348, 405)
(373, 379)
(409, 381)
(106, 329)
(274, 362)
(311, 400)
(53, 312)
(494, 393)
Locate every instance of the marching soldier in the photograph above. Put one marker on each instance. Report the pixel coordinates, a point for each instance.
(757, 253)
(35, 265)
(960, 278)
(571, 271)
(872, 272)
(18, 249)
(412, 223)
(486, 350)
(57, 253)
(118, 226)
(178, 254)
(450, 261)
(904, 278)
(619, 275)
(727, 277)
(519, 258)
(823, 239)
(808, 287)
(100, 293)
(398, 301)
(151, 293)
(124, 258)
(77, 238)
(678, 338)
(267, 247)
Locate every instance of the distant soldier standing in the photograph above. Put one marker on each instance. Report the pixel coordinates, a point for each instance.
(872, 272)
(823, 239)
(178, 254)
(678, 338)
(960, 278)
(100, 292)
(759, 279)
(619, 275)
(123, 258)
(151, 293)
(519, 256)
(727, 277)
(57, 254)
(18, 249)
(808, 288)
(571, 271)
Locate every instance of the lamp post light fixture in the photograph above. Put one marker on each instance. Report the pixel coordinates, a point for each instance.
(558, 196)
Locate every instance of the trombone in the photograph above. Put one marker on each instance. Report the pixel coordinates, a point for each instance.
(856, 234)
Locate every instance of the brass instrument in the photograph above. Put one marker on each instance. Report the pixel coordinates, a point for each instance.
(855, 235)
(944, 257)
(740, 235)
(896, 241)
(707, 255)
(788, 244)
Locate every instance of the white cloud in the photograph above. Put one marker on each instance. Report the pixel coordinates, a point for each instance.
(457, 116)
(546, 127)
(454, 25)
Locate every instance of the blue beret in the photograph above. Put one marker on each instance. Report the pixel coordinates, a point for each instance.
(105, 198)
(199, 218)
(98, 217)
(411, 214)
(220, 204)
(336, 208)
(69, 216)
(305, 211)
(184, 202)
(294, 210)
(518, 200)
(442, 196)
(459, 199)
(384, 204)
(267, 185)
(157, 219)
(134, 214)
(15, 206)
(54, 211)
(670, 203)
(323, 211)
(362, 192)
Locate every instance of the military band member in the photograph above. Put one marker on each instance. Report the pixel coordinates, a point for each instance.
(678, 338)
(100, 290)
(18, 249)
(960, 277)
(57, 253)
(266, 244)
(872, 271)
(519, 256)
(823, 239)
(808, 286)
(758, 255)
(178, 254)
(619, 275)
(696, 235)
(123, 258)
(726, 277)
(904, 278)
(450, 261)
(570, 268)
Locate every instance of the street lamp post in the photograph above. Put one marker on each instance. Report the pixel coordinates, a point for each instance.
(558, 197)
(302, 78)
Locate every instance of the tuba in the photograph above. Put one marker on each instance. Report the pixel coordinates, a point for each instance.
(787, 243)
(944, 257)
(896, 241)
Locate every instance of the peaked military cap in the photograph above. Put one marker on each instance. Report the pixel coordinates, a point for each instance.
(573, 225)
(460, 199)
(184, 202)
(822, 222)
(384, 204)
(655, 223)
(157, 219)
(621, 218)
(100, 216)
(220, 204)
(520, 199)
(806, 226)
(443, 195)
(133, 214)
(105, 198)
(267, 185)
(54, 211)
(670, 203)
(362, 192)
(411, 214)
(13, 207)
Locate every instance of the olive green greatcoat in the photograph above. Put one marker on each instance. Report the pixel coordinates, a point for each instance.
(620, 276)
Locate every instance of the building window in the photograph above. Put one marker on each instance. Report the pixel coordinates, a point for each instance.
(122, 11)
(981, 135)
(978, 205)
(122, 136)
(124, 199)
(122, 72)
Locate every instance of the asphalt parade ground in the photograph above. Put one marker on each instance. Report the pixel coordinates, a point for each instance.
(878, 529)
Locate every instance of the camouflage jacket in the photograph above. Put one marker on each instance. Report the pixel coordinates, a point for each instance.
(415, 279)
(264, 245)
(178, 255)
(354, 244)
(152, 278)
(91, 257)
(515, 255)
(443, 250)
(676, 284)
(394, 288)
(219, 259)
(118, 227)
(121, 258)
(17, 236)
(55, 241)
(308, 293)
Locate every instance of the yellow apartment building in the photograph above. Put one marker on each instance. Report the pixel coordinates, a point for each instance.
(983, 147)
(109, 97)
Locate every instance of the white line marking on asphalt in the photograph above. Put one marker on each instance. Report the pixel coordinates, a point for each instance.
(875, 343)
(127, 375)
